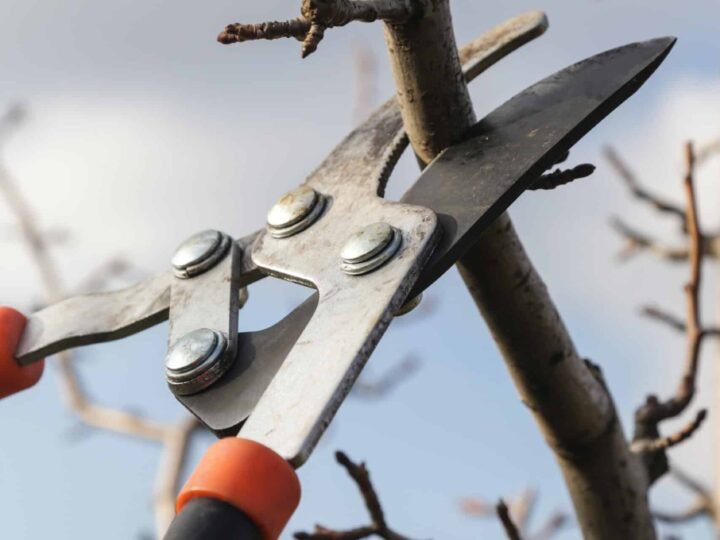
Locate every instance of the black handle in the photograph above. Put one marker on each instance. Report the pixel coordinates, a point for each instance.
(204, 519)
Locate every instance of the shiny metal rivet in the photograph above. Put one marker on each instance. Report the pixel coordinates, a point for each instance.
(199, 253)
(294, 212)
(369, 248)
(196, 360)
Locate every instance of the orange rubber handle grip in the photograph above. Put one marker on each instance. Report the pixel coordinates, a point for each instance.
(13, 376)
(250, 477)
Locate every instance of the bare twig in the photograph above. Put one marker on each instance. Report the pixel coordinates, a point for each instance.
(520, 510)
(503, 514)
(655, 410)
(674, 322)
(696, 510)
(318, 15)
(708, 150)
(639, 192)
(560, 177)
(173, 437)
(647, 441)
(378, 527)
(663, 443)
(689, 482)
(636, 241)
(386, 383)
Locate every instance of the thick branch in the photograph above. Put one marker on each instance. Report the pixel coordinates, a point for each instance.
(568, 399)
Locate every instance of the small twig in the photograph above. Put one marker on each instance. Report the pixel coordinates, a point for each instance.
(511, 529)
(318, 15)
(560, 177)
(655, 410)
(520, 510)
(386, 383)
(663, 443)
(708, 150)
(361, 477)
(698, 509)
(674, 322)
(639, 192)
(552, 526)
(637, 241)
(647, 441)
(690, 483)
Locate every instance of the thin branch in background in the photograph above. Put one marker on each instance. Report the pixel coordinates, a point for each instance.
(173, 437)
(389, 381)
(708, 150)
(674, 322)
(699, 509)
(635, 242)
(647, 441)
(316, 16)
(663, 443)
(503, 514)
(378, 526)
(642, 194)
(655, 410)
(520, 510)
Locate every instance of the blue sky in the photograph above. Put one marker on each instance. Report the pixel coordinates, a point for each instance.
(144, 130)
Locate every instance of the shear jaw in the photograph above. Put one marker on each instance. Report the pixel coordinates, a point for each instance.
(204, 304)
(388, 243)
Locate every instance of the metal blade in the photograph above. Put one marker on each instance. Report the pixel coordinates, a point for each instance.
(472, 183)
(481, 178)
(97, 318)
(116, 314)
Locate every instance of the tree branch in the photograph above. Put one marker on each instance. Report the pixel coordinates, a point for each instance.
(654, 410)
(319, 15)
(636, 241)
(379, 527)
(642, 194)
(503, 514)
(696, 510)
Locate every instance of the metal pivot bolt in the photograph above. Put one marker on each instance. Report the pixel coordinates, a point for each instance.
(369, 248)
(199, 253)
(196, 361)
(295, 212)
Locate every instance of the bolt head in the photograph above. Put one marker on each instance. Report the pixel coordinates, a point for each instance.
(369, 249)
(292, 208)
(196, 360)
(190, 351)
(200, 252)
(366, 243)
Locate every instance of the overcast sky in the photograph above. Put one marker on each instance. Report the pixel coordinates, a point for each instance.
(143, 130)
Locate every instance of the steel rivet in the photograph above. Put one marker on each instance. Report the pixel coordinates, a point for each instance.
(196, 360)
(294, 212)
(369, 248)
(199, 253)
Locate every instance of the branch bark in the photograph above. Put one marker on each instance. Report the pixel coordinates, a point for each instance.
(570, 402)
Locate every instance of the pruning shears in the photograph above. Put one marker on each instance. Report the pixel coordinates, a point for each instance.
(270, 394)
